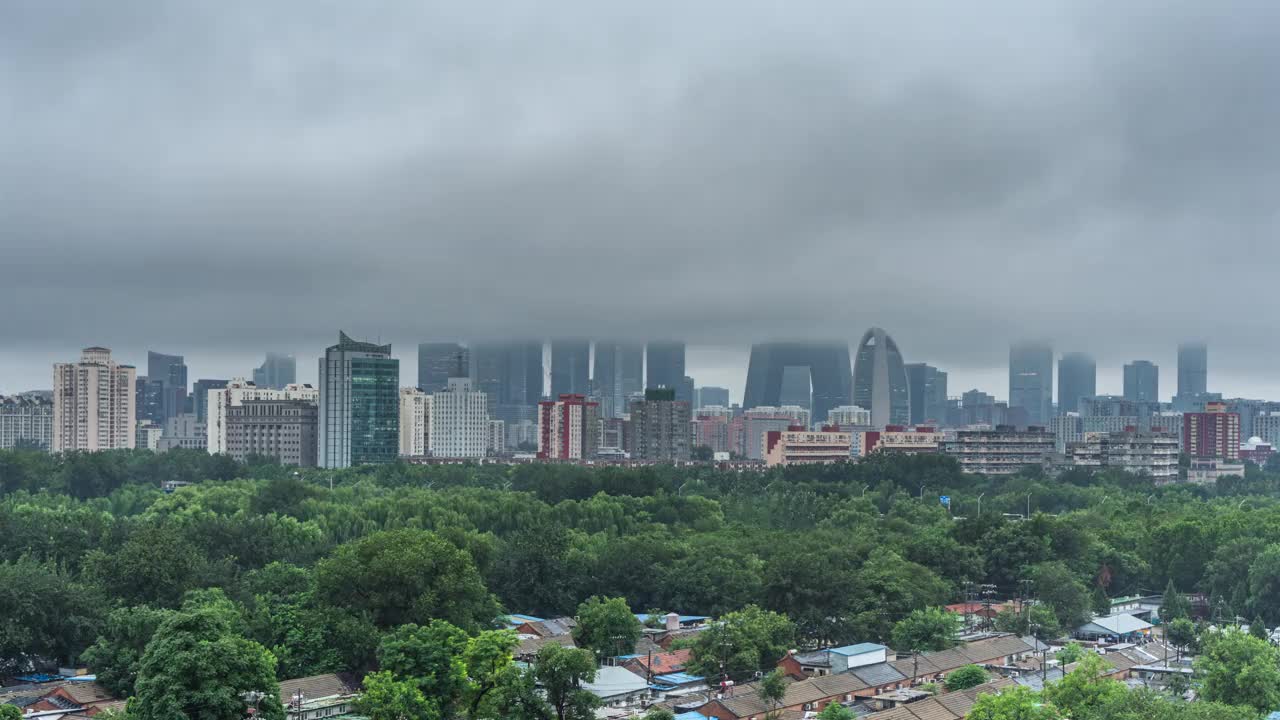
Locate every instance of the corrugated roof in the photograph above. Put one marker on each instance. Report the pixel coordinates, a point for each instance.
(878, 674)
(318, 686)
(678, 678)
(859, 649)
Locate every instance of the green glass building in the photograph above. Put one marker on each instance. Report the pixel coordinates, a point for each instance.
(359, 404)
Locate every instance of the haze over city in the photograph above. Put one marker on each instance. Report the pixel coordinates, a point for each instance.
(223, 180)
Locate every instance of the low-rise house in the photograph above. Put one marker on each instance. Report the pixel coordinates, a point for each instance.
(319, 696)
(832, 660)
(949, 706)
(651, 664)
(1120, 627)
(617, 687)
(547, 628)
(527, 648)
(677, 684)
(81, 695)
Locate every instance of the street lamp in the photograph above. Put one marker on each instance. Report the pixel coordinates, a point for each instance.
(922, 492)
(980, 504)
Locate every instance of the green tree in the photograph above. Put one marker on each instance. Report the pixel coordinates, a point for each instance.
(155, 566)
(1173, 604)
(1264, 584)
(1257, 628)
(488, 658)
(607, 627)
(1016, 703)
(517, 697)
(1181, 633)
(117, 653)
(925, 630)
(561, 671)
(836, 711)
(966, 677)
(1035, 619)
(1070, 654)
(196, 666)
(773, 690)
(1238, 669)
(431, 657)
(1085, 691)
(385, 698)
(11, 712)
(45, 613)
(398, 577)
(741, 643)
(1059, 588)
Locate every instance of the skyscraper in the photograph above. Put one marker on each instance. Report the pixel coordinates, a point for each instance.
(276, 371)
(660, 427)
(664, 366)
(570, 367)
(1031, 381)
(439, 361)
(619, 374)
(1077, 378)
(777, 370)
(200, 397)
(1142, 381)
(1193, 369)
(928, 394)
(93, 403)
(708, 395)
(170, 372)
(880, 380)
(359, 404)
(509, 373)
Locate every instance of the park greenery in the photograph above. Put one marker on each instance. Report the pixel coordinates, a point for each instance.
(261, 572)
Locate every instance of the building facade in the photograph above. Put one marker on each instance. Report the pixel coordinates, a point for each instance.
(800, 446)
(509, 373)
(1077, 378)
(618, 375)
(169, 372)
(200, 396)
(184, 431)
(1193, 369)
(239, 391)
(94, 403)
(1154, 454)
(568, 428)
(664, 367)
(459, 421)
(570, 367)
(1214, 434)
(1002, 451)
(659, 427)
(26, 421)
(880, 380)
(286, 430)
(415, 422)
(815, 376)
(710, 396)
(359, 404)
(1031, 381)
(928, 389)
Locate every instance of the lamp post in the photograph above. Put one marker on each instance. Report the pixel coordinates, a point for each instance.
(980, 504)
(922, 492)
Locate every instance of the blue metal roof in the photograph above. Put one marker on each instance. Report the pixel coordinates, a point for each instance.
(859, 649)
(691, 715)
(644, 617)
(677, 678)
(515, 619)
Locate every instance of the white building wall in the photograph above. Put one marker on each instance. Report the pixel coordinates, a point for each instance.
(459, 421)
(235, 394)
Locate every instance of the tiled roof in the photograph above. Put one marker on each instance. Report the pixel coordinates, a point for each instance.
(318, 686)
(878, 674)
(530, 646)
(950, 706)
(667, 661)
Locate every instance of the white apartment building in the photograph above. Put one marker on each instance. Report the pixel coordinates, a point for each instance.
(26, 419)
(849, 416)
(236, 393)
(459, 421)
(93, 403)
(415, 422)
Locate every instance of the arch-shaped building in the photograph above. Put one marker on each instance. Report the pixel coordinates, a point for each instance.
(824, 366)
(880, 380)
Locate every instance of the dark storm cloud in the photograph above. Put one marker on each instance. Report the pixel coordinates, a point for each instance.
(245, 174)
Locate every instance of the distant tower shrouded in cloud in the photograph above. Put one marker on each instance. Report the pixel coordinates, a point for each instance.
(570, 367)
(1077, 378)
(359, 404)
(277, 371)
(509, 373)
(823, 367)
(665, 367)
(1193, 369)
(928, 393)
(1031, 381)
(618, 375)
(439, 361)
(880, 380)
(1142, 381)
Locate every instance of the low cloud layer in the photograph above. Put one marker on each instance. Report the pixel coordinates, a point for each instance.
(224, 178)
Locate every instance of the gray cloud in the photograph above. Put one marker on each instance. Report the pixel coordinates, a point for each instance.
(219, 178)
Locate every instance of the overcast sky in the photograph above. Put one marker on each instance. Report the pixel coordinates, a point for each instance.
(222, 178)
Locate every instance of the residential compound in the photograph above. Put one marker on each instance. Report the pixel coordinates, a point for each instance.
(26, 421)
(568, 428)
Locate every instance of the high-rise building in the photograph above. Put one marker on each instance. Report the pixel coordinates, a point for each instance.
(790, 373)
(359, 404)
(1213, 434)
(182, 431)
(570, 367)
(660, 428)
(239, 391)
(849, 416)
(497, 438)
(712, 431)
(171, 372)
(664, 367)
(277, 428)
(1000, 451)
(1077, 378)
(26, 420)
(1031, 381)
(1142, 381)
(1193, 369)
(510, 376)
(800, 446)
(200, 397)
(459, 421)
(439, 361)
(619, 374)
(415, 421)
(93, 403)
(277, 371)
(928, 387)
(880, 380)
(708, 395)
(568, 428)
